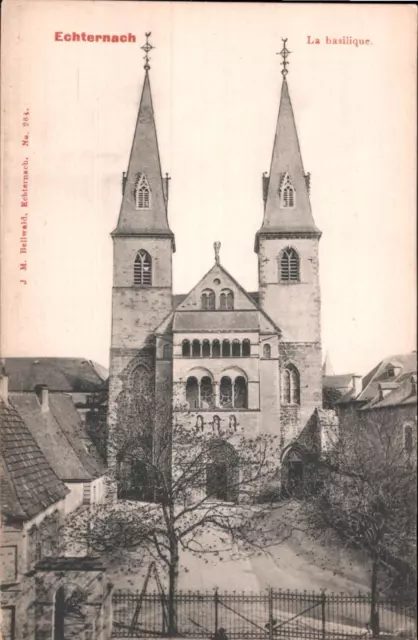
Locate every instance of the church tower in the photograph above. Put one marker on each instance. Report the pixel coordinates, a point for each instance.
(287, 248)
(143, 245)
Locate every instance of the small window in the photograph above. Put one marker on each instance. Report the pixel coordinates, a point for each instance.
(208, 300)
(236, 348)
(226, 348)
(206, 349)
(289, 266)
(226, 300)
(143, 269)
(199, 424)
(196, 349)
(290, 387)
(267, 351)
(246, 348)
(142, 193)
(216, 349)
(216, 424)
(185, 348)
(287, 193)
(232, 423)
(408, 439)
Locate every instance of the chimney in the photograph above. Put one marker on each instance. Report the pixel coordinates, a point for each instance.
(4, 389)
(43, 396)
(4, 383)
(357, 385)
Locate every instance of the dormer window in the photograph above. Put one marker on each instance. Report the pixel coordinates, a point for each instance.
(142, 193)
(287, 193)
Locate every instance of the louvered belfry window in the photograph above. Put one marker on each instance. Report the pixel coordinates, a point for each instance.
(287, 193)
(289, 266)
(142, 193)
(143, 268)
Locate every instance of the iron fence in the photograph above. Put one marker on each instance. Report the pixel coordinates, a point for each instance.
(269, 615)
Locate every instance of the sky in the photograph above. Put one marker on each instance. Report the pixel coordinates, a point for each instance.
(215, 80)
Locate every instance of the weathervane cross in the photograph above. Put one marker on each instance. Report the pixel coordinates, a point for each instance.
(285, 54)
(217, 247)
(147, 48)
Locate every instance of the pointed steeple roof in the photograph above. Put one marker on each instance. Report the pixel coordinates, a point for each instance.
(286, 169)
(144, 167)
(327, 368)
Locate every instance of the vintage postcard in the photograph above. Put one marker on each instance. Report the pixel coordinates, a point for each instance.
(208, 301)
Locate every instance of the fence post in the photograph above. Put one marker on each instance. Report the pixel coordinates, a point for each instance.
(216, 610)
(270, 601)
(323, 619)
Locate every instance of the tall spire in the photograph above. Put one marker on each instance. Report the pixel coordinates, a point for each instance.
(286, 191)
(144, 203)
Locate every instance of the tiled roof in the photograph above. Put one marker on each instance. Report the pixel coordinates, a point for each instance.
(343, 381)
(399, 394)
(59, 434)
(216, 321)
(29, 484)
(407, 363)
(58, 374)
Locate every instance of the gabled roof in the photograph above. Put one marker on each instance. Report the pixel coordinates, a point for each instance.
(396, 394)
(28, 483)
(402, 363)
(246, 315)
(60, 435)
(58, 374)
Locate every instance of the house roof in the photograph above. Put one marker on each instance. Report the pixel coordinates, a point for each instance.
(342, 381)
(58, 374)
(60, 435)
(402, 363)
(216, 321)
(398, 394)
(29, 485)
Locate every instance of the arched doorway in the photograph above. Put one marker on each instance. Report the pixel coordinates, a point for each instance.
(222, 472)
(59, 614)
(294, 471)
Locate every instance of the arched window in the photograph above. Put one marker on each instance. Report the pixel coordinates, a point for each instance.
(142, 193)
(225, 392)
(289, 266)
(216, 424)
(246, 348)
(408, 439)
(226, 300)
(196, 349)
(206, 349)
(185, 348)
(287, 193)
(208, 300)
(290, 385)
(232, 423)
(240, 393)
(199, 424)
(226, 348)
(267, 351)
(216, 349)
(143, 268)
(192, 392)
(236, 348)
(166, 352)
(206, 393)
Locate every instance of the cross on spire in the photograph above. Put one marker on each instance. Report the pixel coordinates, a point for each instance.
(285, 54)
(147, 48)
(217, 247)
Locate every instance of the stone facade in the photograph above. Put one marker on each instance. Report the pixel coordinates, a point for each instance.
(220, 357)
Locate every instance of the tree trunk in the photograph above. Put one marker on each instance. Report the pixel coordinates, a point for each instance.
(374, 607)
(173, 574)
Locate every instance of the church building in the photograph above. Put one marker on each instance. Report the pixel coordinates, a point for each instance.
(246, 362)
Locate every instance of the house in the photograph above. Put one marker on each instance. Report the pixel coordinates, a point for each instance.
(39, 584)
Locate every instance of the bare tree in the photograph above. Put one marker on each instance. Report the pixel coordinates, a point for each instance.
(368, 498)
(203, 481)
